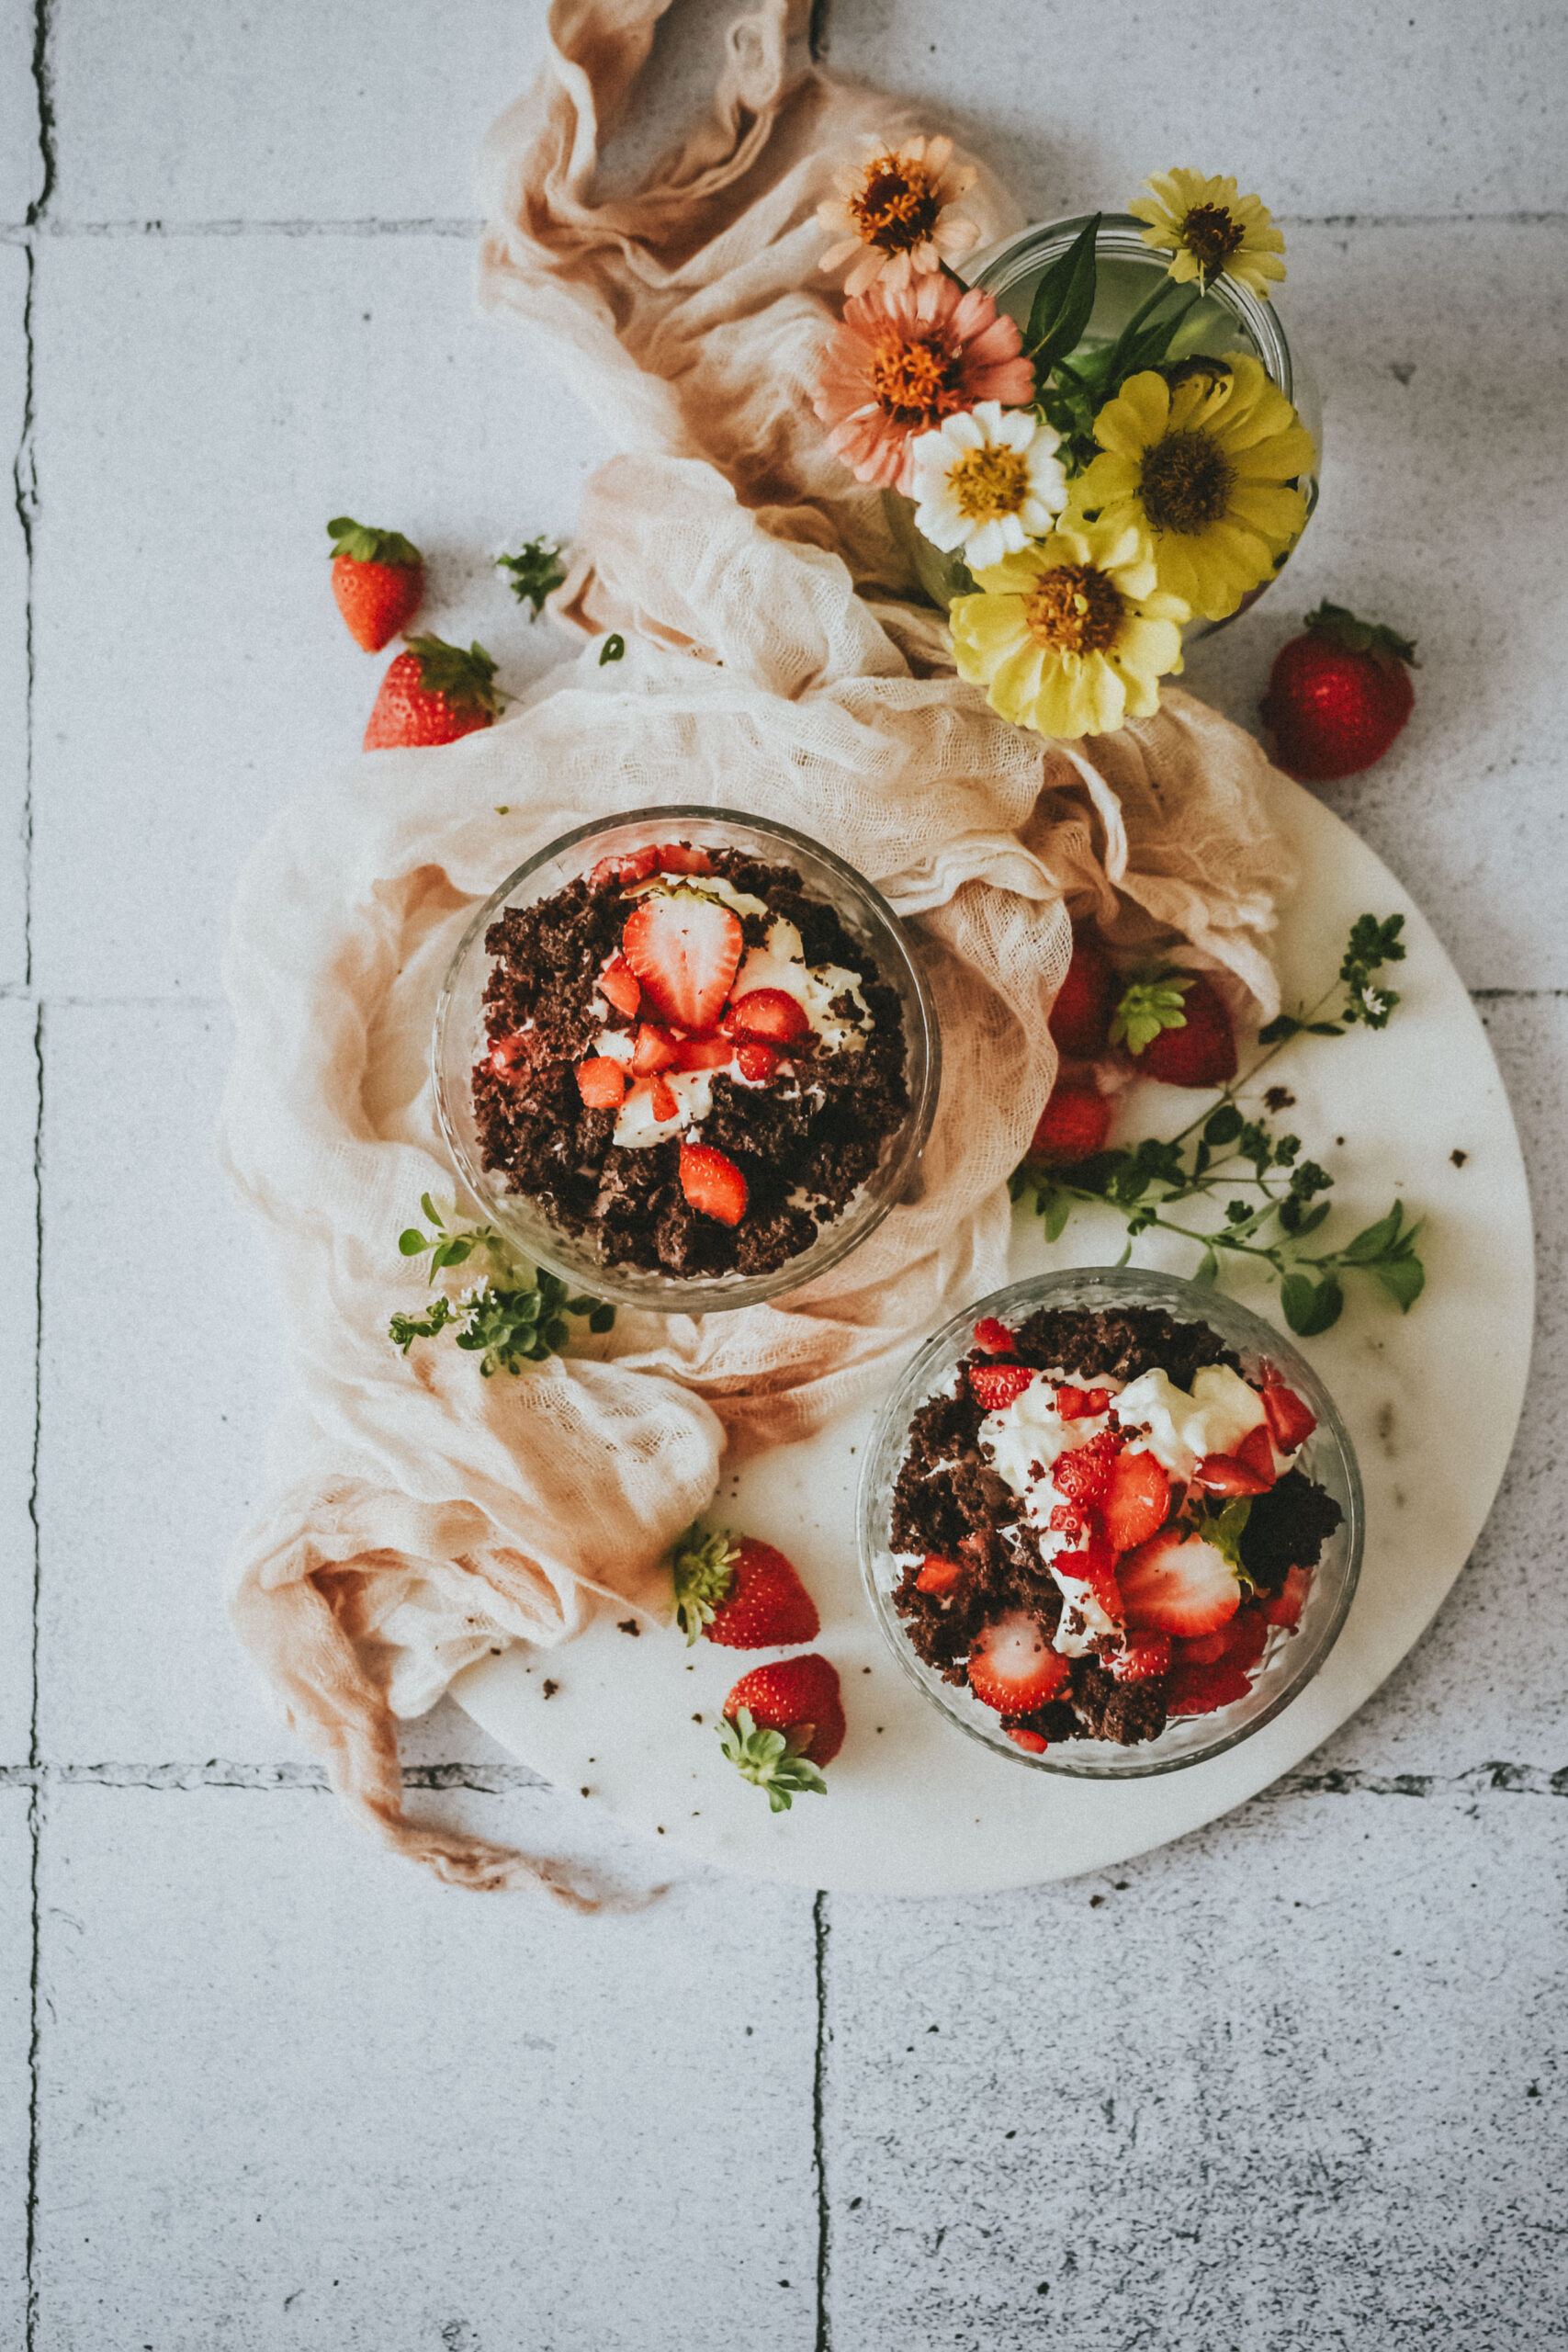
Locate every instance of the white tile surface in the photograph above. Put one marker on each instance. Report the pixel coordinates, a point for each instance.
(16, 2030)
(18, 1329)
(158, 1385)
(224, 112)
(293, 2096)
(1294, 2082)
(204, 405)
(13, 618)
(1335, 108)
(21, 163)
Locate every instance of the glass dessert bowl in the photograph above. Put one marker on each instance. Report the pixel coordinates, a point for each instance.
(673, 1091)
(1133, 1596)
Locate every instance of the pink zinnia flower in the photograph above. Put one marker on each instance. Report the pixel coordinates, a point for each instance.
(902, 359)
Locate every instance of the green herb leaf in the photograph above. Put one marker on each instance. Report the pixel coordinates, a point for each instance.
(1375, 1240)
(1311, 1307)
(534, 572)
(613, 649)
(1403, 1278)
(412, 1243)
(1062, 302)
(1207, 1268)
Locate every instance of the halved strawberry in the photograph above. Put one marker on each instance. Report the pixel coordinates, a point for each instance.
(1081, 1404)
(602, 1082)
(618, 986)
(679, 857)
(1257, 1450)
(685, 950)
(1145, 1656)
(938, 1576)
(702, 1053)
(996, 1384)
(1286, 1607)
(994, 1337)
(632, 866)
(757, 1062)
(711, 1182)
(1290, 1422)
(1012, 1665)
(768, 1017)
(1029, 1741)
(1136, 1503)
(1082, 1475)
(665, 1101)
(1178, 1585)
(655, 1049)
(1226, 1474)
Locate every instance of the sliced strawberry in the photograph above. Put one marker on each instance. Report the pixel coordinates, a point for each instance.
(1241, 1640)
(1068, 1519)
(711, 1182)
(1172, 1585)
(1013, 1667)
(1226, 1474)
(938, 1576)
(685, 950)
(1143, 1657)
(1029, 1741)
(1136, 1503)
(617, 985)
(994, 1337)
(1286, 1607)
(702, 1053)
(1073, 1125)
(1290, 1422)
(602, 1082)
(1257, 1450)
(665, 1101)
(1082, 1475)
(679, 857)
(996, 1384)
(1199, 1689)
(508, 1055)
(1082, 1404)
(655, 1049)
(1094, 1564)
(768, 1017)
(632, 866)
(756, 1063)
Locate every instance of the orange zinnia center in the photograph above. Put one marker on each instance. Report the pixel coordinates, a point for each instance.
(916, 381)
(897, 207)
(1074, 609)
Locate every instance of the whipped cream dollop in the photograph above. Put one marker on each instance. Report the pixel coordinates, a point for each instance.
(1181, 1426)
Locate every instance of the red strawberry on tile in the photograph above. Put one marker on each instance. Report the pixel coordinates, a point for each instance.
(768, 1017)
(740, 1593)
(378, 581)
(782, 1723)
(1080, 1018)
(1136, 1503)
(711, 1182)
(1178, 1585)
(1073, 1124)
(996, 1384)
(1012, 1667)
(1338, 696)
(685, 950)
(433, 694)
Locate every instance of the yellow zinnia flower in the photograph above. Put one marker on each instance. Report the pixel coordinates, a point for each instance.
(1210, 229)
(1202, 466)
(1069, 635)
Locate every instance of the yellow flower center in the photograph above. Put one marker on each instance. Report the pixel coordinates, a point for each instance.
(897, 207)
(915, 380)
(1185, 482)
(1210, 235)
(987, 483)
(1074, 609)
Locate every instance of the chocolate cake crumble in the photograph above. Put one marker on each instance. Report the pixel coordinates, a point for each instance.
(691, 1064)
(1104, 1523)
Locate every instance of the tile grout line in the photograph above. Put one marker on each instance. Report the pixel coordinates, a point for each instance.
(820, 1929)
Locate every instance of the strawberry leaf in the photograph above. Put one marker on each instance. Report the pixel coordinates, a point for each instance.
(775, 1762)
(1385, 645)
(1154, 1002)
(362, 544)
(535, 571)
(466, 681)
(703, 1567)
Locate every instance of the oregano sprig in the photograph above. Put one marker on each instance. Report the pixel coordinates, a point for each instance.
(1268, 1195)
(514, 1314)
(534, 571)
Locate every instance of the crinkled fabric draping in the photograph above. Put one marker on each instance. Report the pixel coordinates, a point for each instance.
(423, 1515)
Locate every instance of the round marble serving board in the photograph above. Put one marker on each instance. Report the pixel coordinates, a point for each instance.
(913, 1806)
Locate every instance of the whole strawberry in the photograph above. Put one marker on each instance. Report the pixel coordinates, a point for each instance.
(742, 1594)
(433, 694)
(377, 579)
(782, 1723)
(1073, 1124)
(1081, 1014)
(1338, 696)
(1177, 1027)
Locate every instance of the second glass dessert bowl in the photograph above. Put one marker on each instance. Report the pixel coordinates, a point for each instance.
(461, 1041)
(1326, 1457)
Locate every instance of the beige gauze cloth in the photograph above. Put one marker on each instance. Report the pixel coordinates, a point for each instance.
(425, 1515)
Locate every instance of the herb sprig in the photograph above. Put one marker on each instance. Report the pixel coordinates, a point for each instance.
(1274, 1202)
(534, 572)
(514, 1314)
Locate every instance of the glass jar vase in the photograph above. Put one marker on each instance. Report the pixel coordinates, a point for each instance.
(1226, 320)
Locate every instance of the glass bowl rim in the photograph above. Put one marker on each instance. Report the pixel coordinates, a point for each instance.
(835, 1242)
(913, 1389)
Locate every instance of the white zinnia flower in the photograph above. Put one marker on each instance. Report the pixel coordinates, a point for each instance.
(987, 481)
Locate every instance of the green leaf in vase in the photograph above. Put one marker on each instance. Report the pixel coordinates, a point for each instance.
(1063, 302)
